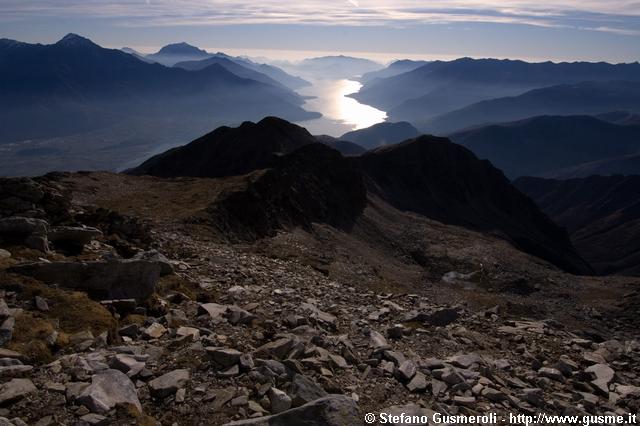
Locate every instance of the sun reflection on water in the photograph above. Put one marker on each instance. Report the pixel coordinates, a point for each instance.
(340, 112)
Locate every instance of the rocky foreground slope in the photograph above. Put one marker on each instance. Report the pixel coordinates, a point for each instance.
(166, 320)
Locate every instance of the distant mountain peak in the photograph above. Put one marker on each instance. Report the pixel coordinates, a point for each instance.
(277, 121)
(75, 40)
(230, 151)
(182, 48)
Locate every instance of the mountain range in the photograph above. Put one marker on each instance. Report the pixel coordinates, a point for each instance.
(81, 95)
(244, 66)
(554, 145)
(395, 68)
(230, 65)
(601, 213)
(591, 98)
(440, 87)
(428, 176)
(75, 85)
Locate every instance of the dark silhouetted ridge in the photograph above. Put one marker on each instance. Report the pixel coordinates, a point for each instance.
(229, 151)
(435, 178)
(306, 182)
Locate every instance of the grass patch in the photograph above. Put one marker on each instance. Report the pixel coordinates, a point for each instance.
(30, 337)
(73, 309)
(176, 283)
(133, 319)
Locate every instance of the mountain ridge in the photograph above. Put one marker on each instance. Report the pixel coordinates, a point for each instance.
(429, 176)
(79, 86)
(440, 87)
(585, 98)
(385, 133)
(567, 141)
(601, 213)
(229, 151)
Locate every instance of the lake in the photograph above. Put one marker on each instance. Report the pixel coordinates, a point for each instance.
(341, 113)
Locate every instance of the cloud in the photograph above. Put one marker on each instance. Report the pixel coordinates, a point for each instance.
(620, 16)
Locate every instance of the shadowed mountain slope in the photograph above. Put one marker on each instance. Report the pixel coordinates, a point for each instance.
(428, 176)
(381, 134)
(601, 213)
(229, 151)
(272, 72)
(395, 68)
(544, 146)
(229, 65)
(344, 147)
(314, 184)
(444, 181)
(589, 98)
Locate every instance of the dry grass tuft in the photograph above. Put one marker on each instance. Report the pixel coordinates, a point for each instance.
(73, 311)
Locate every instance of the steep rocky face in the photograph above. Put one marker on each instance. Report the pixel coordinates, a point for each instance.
(443, 181)
(229, 151)
(312, 184)
(601, 213)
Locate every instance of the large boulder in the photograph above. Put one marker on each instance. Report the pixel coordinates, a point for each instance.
(331, 410)
(73, 236)
(111, 279)
(25, 231)
(15, 389)
(304, 390)
(108, 389)
(166, 268)
(168, 384)
(18, 195)
(33, 198)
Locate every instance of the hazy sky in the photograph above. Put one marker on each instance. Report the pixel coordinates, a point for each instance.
(539, 30)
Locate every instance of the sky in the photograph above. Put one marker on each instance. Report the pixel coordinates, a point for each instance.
(593, 30)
